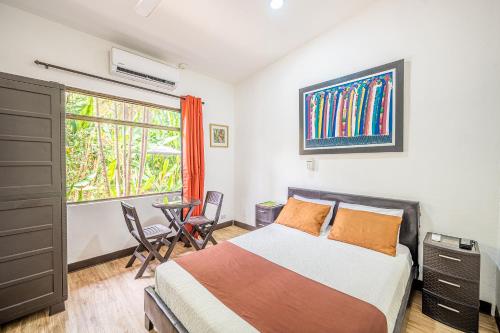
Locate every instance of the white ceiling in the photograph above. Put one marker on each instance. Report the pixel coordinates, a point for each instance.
(226, 39)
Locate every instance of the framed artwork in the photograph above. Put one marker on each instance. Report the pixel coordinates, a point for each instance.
(219, 135)
(357, 113)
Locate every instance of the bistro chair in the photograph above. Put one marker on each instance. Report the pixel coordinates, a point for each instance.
(204, 226)
(150, 238)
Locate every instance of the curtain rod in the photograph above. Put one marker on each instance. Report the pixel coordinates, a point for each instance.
(47, 66)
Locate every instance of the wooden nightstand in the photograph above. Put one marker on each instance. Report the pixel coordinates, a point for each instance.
(451, 283)
(265, 215)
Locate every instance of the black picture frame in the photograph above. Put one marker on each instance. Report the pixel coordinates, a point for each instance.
(396, 146)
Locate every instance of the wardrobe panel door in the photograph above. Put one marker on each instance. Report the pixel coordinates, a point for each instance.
(30, 254)
(32, 196)
(30, 138)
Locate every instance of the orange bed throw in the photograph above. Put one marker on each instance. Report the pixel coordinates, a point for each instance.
(193, 156)
(274, 299)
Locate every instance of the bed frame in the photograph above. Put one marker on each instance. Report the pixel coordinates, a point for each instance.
(159, 316)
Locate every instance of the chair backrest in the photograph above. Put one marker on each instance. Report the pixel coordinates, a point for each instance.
(213, 198)
(132, 220)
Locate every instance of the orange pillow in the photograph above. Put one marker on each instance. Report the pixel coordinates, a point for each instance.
(370, 230)
(304, 216)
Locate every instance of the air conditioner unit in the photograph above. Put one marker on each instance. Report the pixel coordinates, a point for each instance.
(137, 68)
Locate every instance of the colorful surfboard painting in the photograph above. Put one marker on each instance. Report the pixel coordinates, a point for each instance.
(362, 112)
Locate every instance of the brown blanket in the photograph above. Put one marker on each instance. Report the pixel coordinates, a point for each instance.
(275, 299)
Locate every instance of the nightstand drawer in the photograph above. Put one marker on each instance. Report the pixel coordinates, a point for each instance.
(455, 314)
(451, 287)
(264, 215)
(454, 263)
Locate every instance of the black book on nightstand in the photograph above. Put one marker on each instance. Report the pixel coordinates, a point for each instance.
(451, 282)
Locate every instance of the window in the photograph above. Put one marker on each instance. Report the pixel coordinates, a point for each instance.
(119, 148)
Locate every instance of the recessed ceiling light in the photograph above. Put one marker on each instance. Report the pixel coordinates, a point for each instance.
(276, 4)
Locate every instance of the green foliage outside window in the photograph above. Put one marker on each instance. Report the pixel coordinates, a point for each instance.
(109, 160)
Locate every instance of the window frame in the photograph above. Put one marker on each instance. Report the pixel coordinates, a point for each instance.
(69, 89)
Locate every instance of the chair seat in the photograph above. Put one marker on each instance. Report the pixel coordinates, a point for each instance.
(154, 231)
(199, 220)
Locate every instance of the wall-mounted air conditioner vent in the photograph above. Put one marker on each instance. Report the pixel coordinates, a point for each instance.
(144, 76)
(134, 67)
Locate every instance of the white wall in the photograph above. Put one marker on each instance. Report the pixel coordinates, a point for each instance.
(98, 228)
(451, 152)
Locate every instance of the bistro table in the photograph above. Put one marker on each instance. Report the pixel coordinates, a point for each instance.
(172, 207)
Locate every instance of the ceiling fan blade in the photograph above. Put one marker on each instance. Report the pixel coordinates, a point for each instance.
(146, 7)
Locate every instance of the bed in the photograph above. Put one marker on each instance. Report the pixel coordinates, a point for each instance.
(185, 302)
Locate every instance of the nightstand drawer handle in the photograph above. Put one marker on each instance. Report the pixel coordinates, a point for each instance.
(449, 283)
(450, 258)
(262, 211)
(448, 308)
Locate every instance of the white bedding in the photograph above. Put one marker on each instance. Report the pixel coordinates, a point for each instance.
(374, 277)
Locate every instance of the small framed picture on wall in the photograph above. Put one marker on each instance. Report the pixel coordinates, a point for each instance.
(219, 135)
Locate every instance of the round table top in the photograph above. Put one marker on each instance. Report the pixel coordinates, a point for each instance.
(169, 201)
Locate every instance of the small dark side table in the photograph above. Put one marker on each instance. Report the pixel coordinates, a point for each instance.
(451, 283)
(265, 215)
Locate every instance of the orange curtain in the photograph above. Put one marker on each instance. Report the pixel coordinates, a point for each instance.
(193, 156)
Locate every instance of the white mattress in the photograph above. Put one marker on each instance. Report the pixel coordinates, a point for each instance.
(374, 277)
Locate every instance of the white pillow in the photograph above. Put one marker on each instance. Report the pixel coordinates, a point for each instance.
(327, 231)
(383, 211)
(328, 218)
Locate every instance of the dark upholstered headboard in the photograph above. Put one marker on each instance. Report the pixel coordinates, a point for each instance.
(408, 233)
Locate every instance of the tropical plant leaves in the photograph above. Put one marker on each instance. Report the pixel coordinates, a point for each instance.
(85, 179)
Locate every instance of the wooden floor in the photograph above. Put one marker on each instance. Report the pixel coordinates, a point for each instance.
(106, 298)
